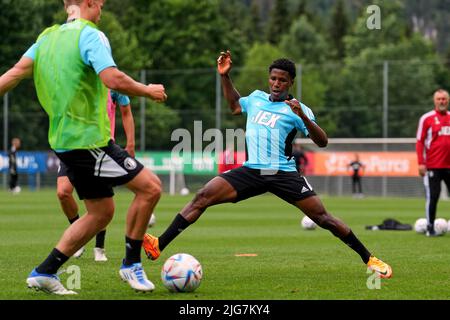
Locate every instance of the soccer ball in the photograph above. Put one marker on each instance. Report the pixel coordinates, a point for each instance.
(181, 273)
(184, 191)
(152, 221)
(308, 224)
(448, 226)
(16, 190)
(421, 225)
(440, 226)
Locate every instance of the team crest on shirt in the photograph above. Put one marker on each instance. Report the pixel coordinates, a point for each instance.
(130, 163)
(436, 120)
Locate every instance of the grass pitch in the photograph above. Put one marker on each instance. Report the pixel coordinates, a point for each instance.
(291, 263)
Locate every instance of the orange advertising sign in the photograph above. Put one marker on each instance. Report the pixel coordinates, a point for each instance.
(391, 164)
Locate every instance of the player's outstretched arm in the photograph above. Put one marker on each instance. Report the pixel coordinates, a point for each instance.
(229, 91)
(316, 133)
(117, 80)
(11, 78)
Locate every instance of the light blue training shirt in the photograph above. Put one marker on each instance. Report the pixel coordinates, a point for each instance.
(270, 130)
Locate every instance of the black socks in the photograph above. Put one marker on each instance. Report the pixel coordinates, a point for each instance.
(176, 227)
(100, 239)
(53, 262)
(132, 251)
(352, 241)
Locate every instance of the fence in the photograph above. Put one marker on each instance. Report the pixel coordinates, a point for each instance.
(381, 99)
(390, 168)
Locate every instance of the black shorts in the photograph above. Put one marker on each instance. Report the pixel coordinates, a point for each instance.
(289, 186)
(62, 170)
(95, 172)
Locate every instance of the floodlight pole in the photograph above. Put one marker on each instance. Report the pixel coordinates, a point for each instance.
(385, 98)
(143, 101)
(385, 116)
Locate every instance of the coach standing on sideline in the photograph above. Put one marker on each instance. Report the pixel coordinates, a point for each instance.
(433, 153)
(72, 67)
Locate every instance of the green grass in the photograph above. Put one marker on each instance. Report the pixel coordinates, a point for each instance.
(291, 263)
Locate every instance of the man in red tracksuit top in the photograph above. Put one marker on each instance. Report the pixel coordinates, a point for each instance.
(433, 153)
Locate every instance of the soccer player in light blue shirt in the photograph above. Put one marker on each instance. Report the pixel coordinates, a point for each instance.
(273, 120)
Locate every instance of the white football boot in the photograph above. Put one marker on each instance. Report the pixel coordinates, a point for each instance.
(136, 277)
(99, 254)
(49, 283)
(79, 253)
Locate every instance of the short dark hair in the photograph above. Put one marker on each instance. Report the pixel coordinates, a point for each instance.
(285, 65)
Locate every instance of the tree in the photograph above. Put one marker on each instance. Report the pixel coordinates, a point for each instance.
(183, 49)
(394, 29)
(127, 53)
(278, 21)
(22, 21)
(338, 29)
(359, 88)
(304, 43)
(255, 29)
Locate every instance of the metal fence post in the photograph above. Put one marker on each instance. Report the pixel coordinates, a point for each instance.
(143, 106)
(385, 116)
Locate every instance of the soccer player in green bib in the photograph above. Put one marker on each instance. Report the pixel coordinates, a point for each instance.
(73, 68)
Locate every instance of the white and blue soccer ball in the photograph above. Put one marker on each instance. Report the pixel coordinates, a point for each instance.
(308, 224)
(184, 191)
(421, 225)
(181, 273)
(440, 226)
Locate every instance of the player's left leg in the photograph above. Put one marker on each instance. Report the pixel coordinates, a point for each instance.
(432, 182)
(13, 178)
(359, 185)
(313, 208)
(297, 191)
(446, 178)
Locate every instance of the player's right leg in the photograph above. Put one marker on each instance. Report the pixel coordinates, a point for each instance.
(44, 277)
(232, 186)
(216, 191)
(64, 192)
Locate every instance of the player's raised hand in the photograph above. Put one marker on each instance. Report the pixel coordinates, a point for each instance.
(157, 92)
(295, 106)
(224, 63)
